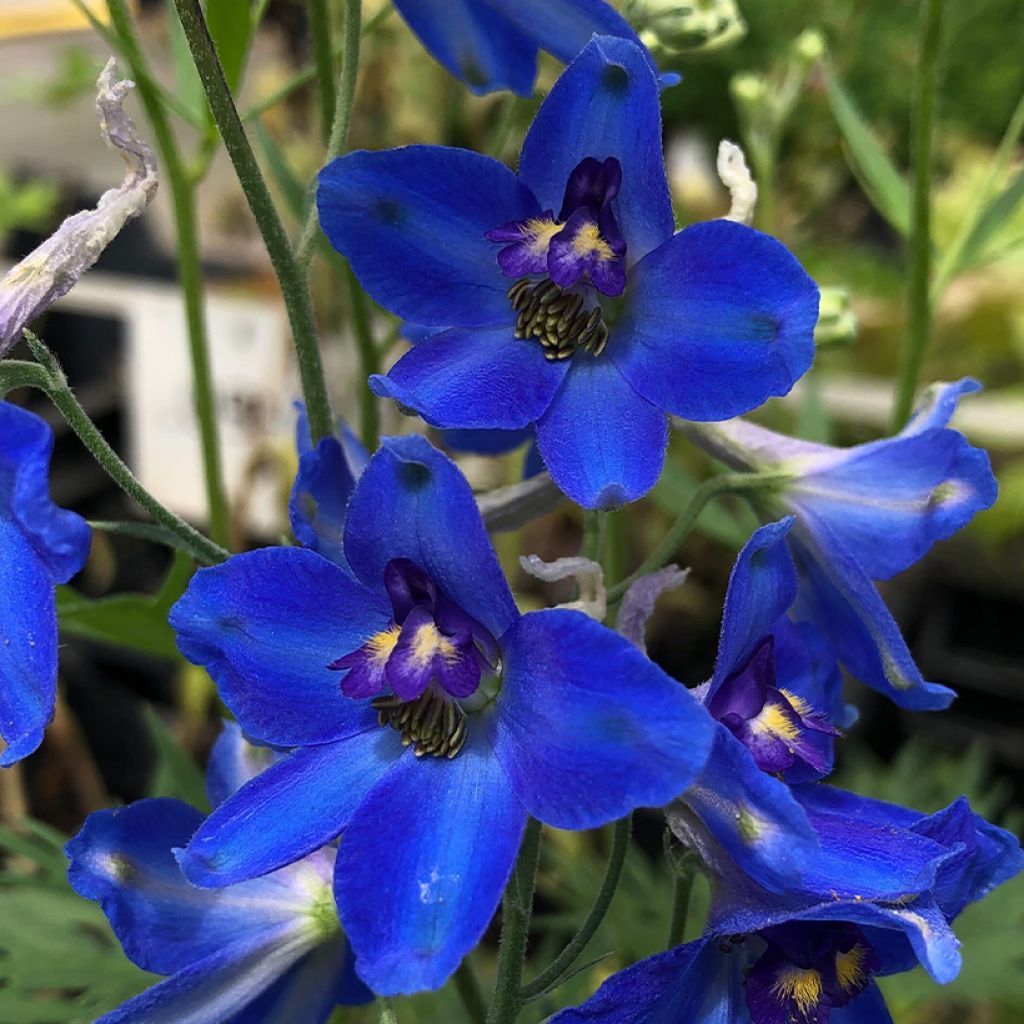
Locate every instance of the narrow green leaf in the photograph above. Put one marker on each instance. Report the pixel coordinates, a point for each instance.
(231, 27)
(997, 213)
(187, 86)
(135, 621)
(883, 184)
(175, 773)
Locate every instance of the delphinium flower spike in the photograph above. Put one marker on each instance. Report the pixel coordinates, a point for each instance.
(562, 295)
(265, 951)
(862, 514)
(428, 717)
(41, 545)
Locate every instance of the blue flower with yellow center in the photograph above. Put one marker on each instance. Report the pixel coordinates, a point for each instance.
(590, 323)
(879, 900)
(424, 716)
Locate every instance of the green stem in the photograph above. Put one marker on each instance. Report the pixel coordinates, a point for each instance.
(469, 991)
(293, 283)
(338, 136)
(680, 910)
(516, 909)
(49, 378)
(919, 300)
(387, 1011)
(554, 973)
(190, 274)
(685, 521)
(369, 360)
(320, 35)
(590, 545)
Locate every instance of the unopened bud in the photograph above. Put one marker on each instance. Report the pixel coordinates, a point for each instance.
(809, 45)
(837, 322)
(678, 26)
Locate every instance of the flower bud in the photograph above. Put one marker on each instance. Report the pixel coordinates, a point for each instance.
(676, 26)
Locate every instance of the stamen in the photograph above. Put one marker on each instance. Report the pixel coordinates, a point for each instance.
(432, 724)
(556, 319)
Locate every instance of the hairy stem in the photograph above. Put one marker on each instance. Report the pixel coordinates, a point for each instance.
(190, 275)
(294, 288)
(516, 910)
(50, 379)
(918, 298)
(554, 973)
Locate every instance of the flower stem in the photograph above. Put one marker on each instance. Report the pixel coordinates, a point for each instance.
(294, 287)
(338, 136)
(190, 276)
(685, 522)
(555, 972)
(47, 376)
(469, 990)
(516, 909)
(320, 37)
(369, 360)
(387, 1011)
(680, 909)
(919, 300)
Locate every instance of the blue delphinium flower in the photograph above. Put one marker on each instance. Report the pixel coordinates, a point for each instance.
(492, 44)
(259, 952)
(591, 323)
(862, 514)
(429, 716)
(775, 696)
(896, 881)
(324, 483)
(41, 545)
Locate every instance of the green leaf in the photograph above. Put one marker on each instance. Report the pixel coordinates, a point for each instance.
(882, 183)
(996, 214)
(175, 773)
(231, 27)
(135, 621)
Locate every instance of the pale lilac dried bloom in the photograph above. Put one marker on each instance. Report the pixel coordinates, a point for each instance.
(638, 602)
(53, 268)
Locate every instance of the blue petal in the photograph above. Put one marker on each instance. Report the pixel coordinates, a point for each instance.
(486, 442)
(323, 485)
(219, 987)
(603, 444)
(564, 27)
(311, 989)
(911, 491)
(868, 1008)
(717, 320)
(475, 42)
(59, 538)
(762, 587)
(123, 859)
(412, 502)
(233, 762)
(986, 856)
(477, 378)
(587, 728)
(605, 104)
(411, 222)
(297, 805)
(937, 405)
(695, 982)
(265, 625)
(423, 864)
(28, 645)
(752, 815)
(837, 595)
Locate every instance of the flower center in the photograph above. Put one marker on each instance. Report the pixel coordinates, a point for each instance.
(807, 970)
(563, 266)
(777, 726)
(419, 669)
